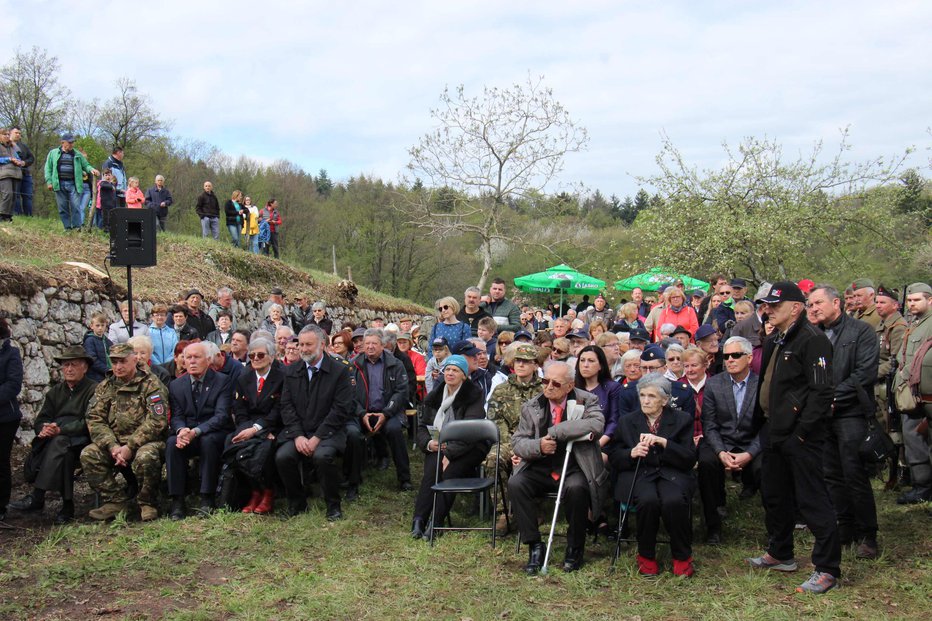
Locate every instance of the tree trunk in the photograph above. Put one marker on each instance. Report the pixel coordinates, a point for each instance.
(486, 248)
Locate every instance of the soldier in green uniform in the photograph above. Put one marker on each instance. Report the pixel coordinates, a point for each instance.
(916, 422)
(128, 420)
(866, 307)
(505, 407)
(890, 332)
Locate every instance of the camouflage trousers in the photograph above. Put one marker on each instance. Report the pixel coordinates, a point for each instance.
(146, 466)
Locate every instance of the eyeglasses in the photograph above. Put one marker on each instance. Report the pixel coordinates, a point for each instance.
(503, 343)
(551, 382)
(737, 355)
(257, 355)
(560, 352)
(443, 308)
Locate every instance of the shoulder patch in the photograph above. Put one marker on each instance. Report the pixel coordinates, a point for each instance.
(155, 398)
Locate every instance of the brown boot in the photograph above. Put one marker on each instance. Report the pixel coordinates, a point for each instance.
(147, 513)
(108, 511)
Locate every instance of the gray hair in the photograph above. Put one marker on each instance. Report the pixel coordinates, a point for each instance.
(658, 381)
(285, 329)
(210, 349)
(278, 306)
(318, 306)
(157, 177)
(746, 347)
(475, 290)
(316, 330)
(373, 332)
(480, 343)
(830, 291)
(631, 354)
(141, 341)
(264, 344)
(567, 369)
(261, 334)
(224, 291)
(389, 339)
(202, 345)
(674, 348)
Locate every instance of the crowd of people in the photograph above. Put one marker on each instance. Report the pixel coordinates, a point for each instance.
(636, 407)
(74, 181)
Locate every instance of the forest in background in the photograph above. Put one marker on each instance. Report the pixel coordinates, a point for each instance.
(760, 217)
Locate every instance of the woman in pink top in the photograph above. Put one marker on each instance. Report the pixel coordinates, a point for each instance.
(134, 196)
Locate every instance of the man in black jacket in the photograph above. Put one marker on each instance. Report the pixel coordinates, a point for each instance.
(317, 402)
(207, 209)
(384, 392)
(794, 401)
(856, 353)
(22, 199)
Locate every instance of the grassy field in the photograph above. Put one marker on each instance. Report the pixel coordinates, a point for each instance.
(232, 566)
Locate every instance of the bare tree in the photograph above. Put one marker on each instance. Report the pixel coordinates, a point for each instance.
(31, 96)
(491, 151)
(128, 119)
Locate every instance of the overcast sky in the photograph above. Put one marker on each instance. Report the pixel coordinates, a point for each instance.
(348, 86)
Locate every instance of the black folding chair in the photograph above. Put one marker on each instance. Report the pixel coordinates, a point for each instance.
(467, 431)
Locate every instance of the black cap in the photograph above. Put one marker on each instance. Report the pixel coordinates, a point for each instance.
(681, 330)
(738, 282)
(784, 291)
(464, 348)
(638, 334)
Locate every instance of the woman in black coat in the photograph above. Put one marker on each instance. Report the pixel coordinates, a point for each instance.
(11, 382)
(456, 398)
(661, 439)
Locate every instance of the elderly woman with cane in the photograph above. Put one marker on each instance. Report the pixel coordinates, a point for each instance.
(655, 456)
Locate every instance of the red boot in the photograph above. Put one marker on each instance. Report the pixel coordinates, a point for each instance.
(648, 566)
(683, 568)
(253, 501)
(268, 501)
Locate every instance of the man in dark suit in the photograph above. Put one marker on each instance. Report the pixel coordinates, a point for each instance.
(729, 443)
(200, 406)
(318, 400)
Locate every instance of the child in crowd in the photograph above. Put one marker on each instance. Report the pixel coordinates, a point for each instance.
(106, 199)
(265, 230)
(97, 346)
(251, 225)
(486, 330)
(441, 350)
(134, 196)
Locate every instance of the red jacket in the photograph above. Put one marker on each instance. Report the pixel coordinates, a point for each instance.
(275, 218)
(686, 318)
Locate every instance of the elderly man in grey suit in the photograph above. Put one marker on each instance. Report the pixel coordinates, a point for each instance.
(729, 443)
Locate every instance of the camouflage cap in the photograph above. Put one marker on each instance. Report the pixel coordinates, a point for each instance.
(121, 350)
(526, 351)
(919, 287)
(862, 283)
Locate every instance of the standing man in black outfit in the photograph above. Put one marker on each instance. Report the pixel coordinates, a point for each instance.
(794, 403)
(318, 400)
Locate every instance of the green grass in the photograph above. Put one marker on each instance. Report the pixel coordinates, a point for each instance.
(231, 566)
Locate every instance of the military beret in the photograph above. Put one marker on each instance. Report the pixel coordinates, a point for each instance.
(705, 330)
(653, 352)
(638, 334)
(887, 293)
(862, 283)
(919, 287)
(121, 350)
(526, 351)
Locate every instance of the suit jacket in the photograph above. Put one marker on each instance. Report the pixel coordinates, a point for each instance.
(320, 408)
(721, 427)
(211, 414)
(251, 407)
(673, 463)
(855, 358)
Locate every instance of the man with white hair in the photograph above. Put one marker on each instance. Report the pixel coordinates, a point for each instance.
(160, 199)
(200, 420)
(222, 363)
(224, 302)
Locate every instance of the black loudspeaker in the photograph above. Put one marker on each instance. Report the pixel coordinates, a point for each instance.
(132, 237)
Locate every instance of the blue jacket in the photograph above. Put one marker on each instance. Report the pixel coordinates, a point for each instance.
(98, 348)
(164, 340)
(11, 382)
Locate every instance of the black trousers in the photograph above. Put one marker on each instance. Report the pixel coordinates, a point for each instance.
(463, 466)
(793, 469)
(712, 482)
(209, 447)
(393, 431)
(7, 436)
(531, 483)
(848, 479)
(289, 463)
(58, 459)
(655, 499)
(355, 456)
(272, 244)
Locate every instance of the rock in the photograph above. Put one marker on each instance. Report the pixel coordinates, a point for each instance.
(37, 306)
(89, 296)
(51, 334)
(10, 305)
(50, 291)
(74, 333)
(36, 371)
(24, 329)
(61, 311)
(76, 296)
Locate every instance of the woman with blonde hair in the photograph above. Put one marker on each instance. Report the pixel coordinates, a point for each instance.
(250, 230)
(448, 326)
(233, 210)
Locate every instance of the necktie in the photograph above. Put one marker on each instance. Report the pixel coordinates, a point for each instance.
(261, 384)
(196, 391)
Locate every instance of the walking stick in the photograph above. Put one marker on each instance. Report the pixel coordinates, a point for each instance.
(556, 508)
(624, 516)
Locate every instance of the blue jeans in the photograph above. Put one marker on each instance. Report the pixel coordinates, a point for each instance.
(85, 200)
(210, 226)
(254, 243)
(22, 201)
(234, 234)
(69, 205)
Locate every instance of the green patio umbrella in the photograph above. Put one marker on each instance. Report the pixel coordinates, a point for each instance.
(653, 279)
(562, 279)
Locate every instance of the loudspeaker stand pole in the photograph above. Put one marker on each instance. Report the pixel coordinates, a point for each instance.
(129, 302)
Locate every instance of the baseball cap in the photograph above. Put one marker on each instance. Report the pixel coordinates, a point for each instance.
(784, 291)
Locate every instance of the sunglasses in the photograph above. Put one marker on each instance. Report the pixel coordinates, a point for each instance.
(561, 352)
(257, 355)
(503, 343)
(550, 382)
(738, 355)
(443, 308)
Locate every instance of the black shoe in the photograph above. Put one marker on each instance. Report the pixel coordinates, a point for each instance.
(384, 463)
(913, 497)
(177, 511)
(868, 549)
(747, 492)
(207, 504)
(535, 558)
(713, 538)
(573, 559)
(27, 503)
(296, 507)
(334, 513)
(406, 486)
(417, 528)
(66, 513)
(352, 493)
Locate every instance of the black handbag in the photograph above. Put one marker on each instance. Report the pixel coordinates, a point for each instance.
(877, 446)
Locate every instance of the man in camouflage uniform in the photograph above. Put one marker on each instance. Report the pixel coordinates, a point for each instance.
(864, 295)
(127, 419)
(505, 407)
(890, 332)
